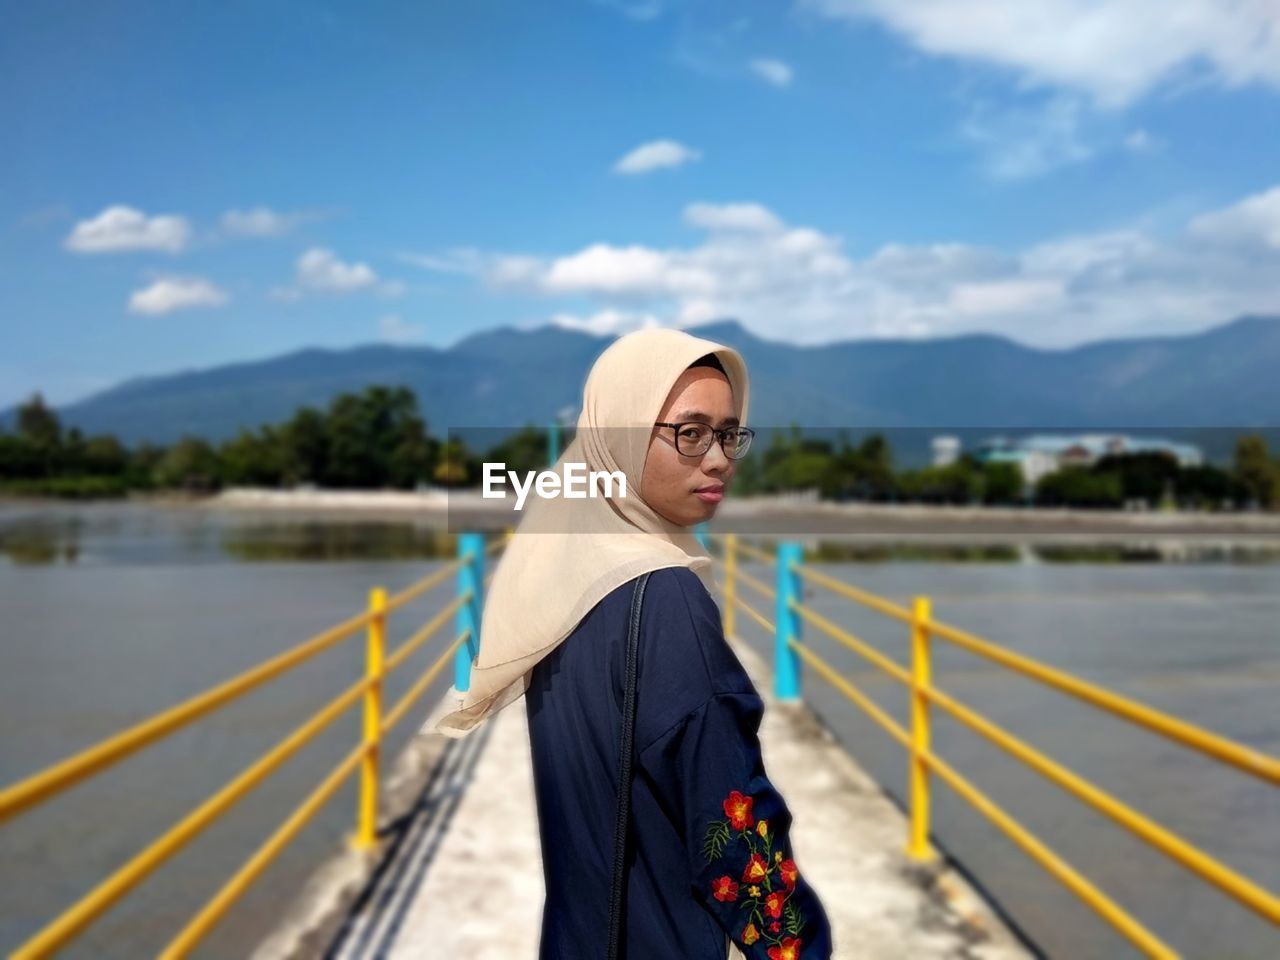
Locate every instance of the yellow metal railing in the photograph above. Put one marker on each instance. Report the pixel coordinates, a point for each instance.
(365, 755)
(922, 760)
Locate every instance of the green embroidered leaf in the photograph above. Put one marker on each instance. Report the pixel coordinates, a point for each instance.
(792, 918)
(714, 842)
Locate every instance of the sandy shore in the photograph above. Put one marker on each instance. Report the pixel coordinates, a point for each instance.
(796, 515)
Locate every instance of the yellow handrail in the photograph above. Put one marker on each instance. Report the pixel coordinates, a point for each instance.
(754, 552)
(1114, 914)
(916, 741)
(77, 917)
(68, 772)
(1235, 884)
(233, 889)
(755, 615)
(757, 585)
(52, 780)
(1244, 758)
(1226, 879)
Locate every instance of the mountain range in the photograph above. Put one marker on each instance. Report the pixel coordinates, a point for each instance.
(968, 385)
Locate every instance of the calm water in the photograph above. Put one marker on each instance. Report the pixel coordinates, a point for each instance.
(113, 612)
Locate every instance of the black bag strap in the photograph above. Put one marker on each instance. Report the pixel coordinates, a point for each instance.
(625, 770)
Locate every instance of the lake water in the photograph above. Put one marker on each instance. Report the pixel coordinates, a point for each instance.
(112, 612)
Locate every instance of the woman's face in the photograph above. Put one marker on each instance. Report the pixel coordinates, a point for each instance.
(671, 480)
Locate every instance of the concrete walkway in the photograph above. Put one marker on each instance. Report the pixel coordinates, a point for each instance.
(460, 874)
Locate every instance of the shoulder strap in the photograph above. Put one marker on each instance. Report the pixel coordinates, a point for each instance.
(625, 770)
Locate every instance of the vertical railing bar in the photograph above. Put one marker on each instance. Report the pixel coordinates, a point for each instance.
(918, 842)
(790, 555)
(367, 816)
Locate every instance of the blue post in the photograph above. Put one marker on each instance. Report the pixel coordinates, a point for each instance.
(553, 443)
(700, 531)
(470, 577)
(786, 666)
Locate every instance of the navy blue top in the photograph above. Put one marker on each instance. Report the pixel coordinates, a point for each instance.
(709, 855)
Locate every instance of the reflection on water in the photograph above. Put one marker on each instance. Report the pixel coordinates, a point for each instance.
(349, 541)
(135, 533)
(828, 551)
(123, 532)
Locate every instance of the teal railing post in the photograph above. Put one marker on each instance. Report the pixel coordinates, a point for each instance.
(470, 577)
(786, 662)
(553, 443)
(700, 531)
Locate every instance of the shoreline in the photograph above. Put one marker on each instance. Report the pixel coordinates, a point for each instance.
(790, 515)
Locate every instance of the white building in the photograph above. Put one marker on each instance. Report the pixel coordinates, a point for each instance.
(946, 450)
(1041, 454)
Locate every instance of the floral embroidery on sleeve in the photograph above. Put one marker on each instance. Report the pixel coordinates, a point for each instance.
(766, 884)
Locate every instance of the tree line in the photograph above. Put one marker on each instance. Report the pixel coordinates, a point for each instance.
(377, 439)
(866, 471)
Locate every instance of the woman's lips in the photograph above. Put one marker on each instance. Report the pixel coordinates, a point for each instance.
(711, 494)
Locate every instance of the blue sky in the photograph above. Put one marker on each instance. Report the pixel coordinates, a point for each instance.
(190, 184)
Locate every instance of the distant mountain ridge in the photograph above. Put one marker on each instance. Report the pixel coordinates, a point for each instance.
(506, 377)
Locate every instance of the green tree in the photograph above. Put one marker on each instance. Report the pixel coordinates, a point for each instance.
(190, 464)
(1256, 471)
(456, 466)
(1001, 483)
(1145, 475)
(522, 451)
(38, 424)
(413, 455)
(1080, 487)
(366, 430)
(104, 455)
(305, 454)
(252, 459)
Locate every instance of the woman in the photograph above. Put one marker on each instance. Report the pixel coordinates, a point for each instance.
(708, 856)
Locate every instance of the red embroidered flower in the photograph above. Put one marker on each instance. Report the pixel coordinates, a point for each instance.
(756, 869)
(725, 889)
(789, 873)
(773, 903)
(720, 842)
(738, 809)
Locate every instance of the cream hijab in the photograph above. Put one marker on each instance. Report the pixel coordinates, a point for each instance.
(567, 554)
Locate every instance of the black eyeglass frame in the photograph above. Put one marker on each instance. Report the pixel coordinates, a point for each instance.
(717, 436)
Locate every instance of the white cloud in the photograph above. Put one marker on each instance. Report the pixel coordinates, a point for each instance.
(656, 155)
(261, 222)
(463, 260)
(772, 71)
(1254, 220)
(1017, 143)
(120, 228)
(624, 271)
(799, 284)
(1115, 51)
(751, 217)
(392, 328)
(176, 293)
(1005, 297)
(319, 269)
(607, 321)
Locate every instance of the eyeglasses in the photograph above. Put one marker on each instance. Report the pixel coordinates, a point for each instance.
(693, 438)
